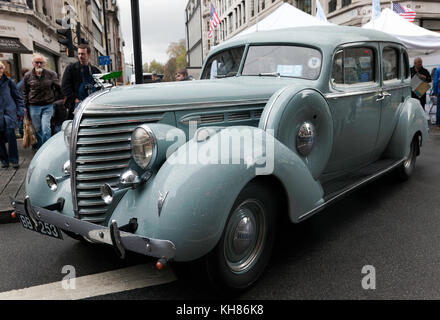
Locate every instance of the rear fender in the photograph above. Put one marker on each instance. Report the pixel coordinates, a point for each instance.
(411, 120)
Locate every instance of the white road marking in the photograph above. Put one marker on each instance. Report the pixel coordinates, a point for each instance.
(130, 278)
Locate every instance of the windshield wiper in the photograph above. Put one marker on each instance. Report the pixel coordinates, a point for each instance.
(269, 74)
(225, 75)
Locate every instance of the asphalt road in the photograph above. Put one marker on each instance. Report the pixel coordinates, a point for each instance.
(393, 227)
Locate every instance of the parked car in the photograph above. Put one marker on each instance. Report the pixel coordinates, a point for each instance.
(281, 124)
(147, 78)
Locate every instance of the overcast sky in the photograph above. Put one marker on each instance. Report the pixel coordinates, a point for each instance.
(162, 22)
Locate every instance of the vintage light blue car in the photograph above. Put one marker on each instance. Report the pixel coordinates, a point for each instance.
(281, 124)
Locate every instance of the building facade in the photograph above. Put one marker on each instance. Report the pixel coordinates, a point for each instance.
(29, 26)
(358, 12)
(235, 16)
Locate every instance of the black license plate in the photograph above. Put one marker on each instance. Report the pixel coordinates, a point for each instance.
(42, 227)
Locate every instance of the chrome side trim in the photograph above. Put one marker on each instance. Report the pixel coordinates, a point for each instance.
(266, 119)
(361, 92)
(73, 144)
(348, 190)
(102, 109)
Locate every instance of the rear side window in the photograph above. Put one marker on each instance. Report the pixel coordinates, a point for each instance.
(353, 66)
(405, 65)
(390, 63)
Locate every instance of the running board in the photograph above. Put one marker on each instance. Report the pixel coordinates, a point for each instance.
(337, 189)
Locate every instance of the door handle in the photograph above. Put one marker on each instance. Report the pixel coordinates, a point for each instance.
(382, 96)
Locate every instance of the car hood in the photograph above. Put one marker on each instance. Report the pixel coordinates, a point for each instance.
(197, 91)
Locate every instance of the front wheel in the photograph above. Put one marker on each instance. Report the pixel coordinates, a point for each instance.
(406, 169)
(246, 244)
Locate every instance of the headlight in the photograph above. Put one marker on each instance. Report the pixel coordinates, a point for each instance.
(143, 146)
(68, 133)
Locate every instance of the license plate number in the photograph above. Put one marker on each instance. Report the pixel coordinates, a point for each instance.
(42, 227)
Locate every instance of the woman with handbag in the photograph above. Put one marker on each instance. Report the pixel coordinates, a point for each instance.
(11, 110)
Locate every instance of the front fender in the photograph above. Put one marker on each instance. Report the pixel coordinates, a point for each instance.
(199, 189)
(49, 159)
(411, 120)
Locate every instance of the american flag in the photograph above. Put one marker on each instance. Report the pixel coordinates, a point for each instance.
(404, 12)
(214, 20)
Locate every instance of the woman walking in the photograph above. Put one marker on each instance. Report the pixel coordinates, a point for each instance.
(11, 110)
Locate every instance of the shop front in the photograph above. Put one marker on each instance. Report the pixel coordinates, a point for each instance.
(10, 51)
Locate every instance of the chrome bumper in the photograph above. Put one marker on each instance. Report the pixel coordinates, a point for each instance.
(120, 240)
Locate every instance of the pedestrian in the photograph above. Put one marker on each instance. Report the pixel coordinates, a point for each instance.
(59, 116)
(39, 89)
(424, 75)
(11, 111)
(78, 81)
(435, 90)
(20, 90)
(182, 75)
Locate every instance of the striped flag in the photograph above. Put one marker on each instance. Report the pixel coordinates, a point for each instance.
(214, 20)
(404, 12)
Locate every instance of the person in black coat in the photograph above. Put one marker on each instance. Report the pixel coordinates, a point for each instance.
(424, 75)
(77, 81)
(11, 111)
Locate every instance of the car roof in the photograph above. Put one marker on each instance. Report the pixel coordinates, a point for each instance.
(317, 36)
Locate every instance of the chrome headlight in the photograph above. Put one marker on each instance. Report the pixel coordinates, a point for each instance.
(68, 132)
(143, 146)
(305, 138)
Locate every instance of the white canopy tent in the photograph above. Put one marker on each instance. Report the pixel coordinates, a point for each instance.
(420, 41)
(286, 16)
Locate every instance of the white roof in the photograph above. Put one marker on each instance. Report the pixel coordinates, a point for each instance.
(413, 36)
(286, 16)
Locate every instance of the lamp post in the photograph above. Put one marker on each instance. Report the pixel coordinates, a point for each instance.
(137, 42)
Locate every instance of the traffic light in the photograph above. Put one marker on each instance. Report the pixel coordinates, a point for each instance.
(66, 39)
(78, 35)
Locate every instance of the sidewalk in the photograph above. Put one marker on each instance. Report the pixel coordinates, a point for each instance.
(12, 182)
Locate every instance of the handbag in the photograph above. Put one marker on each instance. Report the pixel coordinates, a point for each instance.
(29, 138)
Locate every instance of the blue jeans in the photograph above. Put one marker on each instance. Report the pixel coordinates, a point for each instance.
(11, 139)
(40, 116)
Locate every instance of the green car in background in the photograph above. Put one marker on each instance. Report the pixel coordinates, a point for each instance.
(280, 125)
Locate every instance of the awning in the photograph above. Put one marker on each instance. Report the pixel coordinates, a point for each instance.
(12, 45)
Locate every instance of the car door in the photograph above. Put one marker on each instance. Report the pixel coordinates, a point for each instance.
(355, 104)
(395, 82)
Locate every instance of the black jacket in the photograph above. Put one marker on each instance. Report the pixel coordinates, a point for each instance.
(71, 82)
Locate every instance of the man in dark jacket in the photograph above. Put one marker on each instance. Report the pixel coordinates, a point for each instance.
(77, 81)
(11, 110)
(424, 75)
(39, 88)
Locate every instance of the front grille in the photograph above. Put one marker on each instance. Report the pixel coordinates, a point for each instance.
(102, 153)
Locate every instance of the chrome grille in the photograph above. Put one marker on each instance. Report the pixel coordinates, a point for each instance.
(102, 153)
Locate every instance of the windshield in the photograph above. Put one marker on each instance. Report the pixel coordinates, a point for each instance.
(223, 64)
(284, 61)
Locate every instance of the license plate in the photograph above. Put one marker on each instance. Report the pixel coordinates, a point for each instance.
(42, 227)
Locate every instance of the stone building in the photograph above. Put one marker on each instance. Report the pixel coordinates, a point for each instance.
(29, 26)
(358, 12)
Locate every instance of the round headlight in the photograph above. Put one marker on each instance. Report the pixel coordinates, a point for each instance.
(305, 138)
(68, 133)
(143, 146)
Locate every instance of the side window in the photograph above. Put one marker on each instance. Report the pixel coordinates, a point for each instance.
(390, 63)
(353, 66)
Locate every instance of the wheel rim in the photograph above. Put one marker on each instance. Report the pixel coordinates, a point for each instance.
(409, 162)
(245, 236)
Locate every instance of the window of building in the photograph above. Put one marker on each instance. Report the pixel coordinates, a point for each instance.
(346, 3)
(244, 12)
(252, 8)
(390, 63)
(332, 5)
(97, 34)
(263, 5)
(305, 5)
(96, 10)
(353, 66)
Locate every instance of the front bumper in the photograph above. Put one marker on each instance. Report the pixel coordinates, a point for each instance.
(120, 240)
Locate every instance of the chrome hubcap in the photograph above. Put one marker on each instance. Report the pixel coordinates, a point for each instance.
(245, 234)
